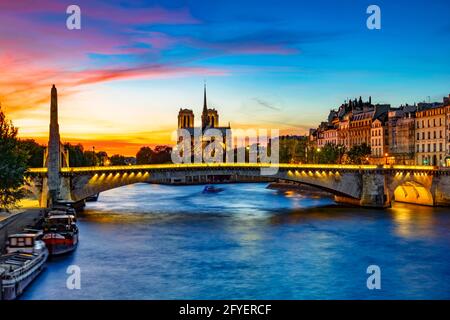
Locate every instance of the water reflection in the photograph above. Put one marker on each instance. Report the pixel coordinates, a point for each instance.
(249, 242)
(414, 221)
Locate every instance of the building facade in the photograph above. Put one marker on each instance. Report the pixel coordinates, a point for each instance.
(431, 135)
(410, 134)
(379, 141)
(401, 135)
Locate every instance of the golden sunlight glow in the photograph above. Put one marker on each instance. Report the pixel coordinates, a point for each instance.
(318, 169)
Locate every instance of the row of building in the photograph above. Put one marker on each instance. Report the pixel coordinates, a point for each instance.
(410, 134)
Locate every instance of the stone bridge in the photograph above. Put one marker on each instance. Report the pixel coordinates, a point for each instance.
(363, 185)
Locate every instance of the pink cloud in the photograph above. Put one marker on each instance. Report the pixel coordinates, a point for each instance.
(103, 11)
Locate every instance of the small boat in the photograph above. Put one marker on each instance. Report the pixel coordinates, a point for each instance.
(212, 189)
(24, 261)
(60, 233)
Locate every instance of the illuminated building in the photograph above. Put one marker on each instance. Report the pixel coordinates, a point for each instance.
(431, 134)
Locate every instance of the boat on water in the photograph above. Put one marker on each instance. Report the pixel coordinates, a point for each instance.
(60, 233)
(24, 261)
(212, 189)
(61, 211)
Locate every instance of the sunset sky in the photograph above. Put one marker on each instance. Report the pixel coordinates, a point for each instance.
(269, 64)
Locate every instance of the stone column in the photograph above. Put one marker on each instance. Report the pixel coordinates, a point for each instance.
(54, 152)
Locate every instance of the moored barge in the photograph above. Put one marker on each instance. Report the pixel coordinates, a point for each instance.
(60, 233)
(24, 261)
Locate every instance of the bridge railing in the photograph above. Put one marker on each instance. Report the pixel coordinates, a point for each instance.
(148, 167)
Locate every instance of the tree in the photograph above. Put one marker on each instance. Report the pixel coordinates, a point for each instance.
(102, 157)
(90, 158)
(162, 154)
(117, 160)
(329, 154)
(292, 149)
(76, 155)
(13, 165)
(144, 155)
(34, 151)
(358, 153)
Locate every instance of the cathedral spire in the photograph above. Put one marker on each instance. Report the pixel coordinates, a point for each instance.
(205, 109)
(205, 105)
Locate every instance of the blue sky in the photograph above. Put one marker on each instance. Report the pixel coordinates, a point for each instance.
(280, 64)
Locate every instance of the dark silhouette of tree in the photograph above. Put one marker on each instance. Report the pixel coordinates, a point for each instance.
(76, 155)
(13, 165)
(35, 153)
(102, 157)
(90, 159)
(117, 160)
(162, 154)
(144, 155)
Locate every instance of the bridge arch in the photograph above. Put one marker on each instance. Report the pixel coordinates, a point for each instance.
(411, 187)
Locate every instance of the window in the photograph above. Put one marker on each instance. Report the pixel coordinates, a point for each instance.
(434, 147)
(440, 147)
(418, 136)
(429, 148)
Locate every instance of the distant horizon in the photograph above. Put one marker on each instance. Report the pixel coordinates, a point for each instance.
(116, 146)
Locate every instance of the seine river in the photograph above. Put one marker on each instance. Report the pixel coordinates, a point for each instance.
(248, 242)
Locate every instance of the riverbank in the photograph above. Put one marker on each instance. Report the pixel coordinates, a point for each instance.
(15, 221)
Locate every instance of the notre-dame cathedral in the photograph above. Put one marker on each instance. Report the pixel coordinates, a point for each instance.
(210, 117)
(210, 120)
